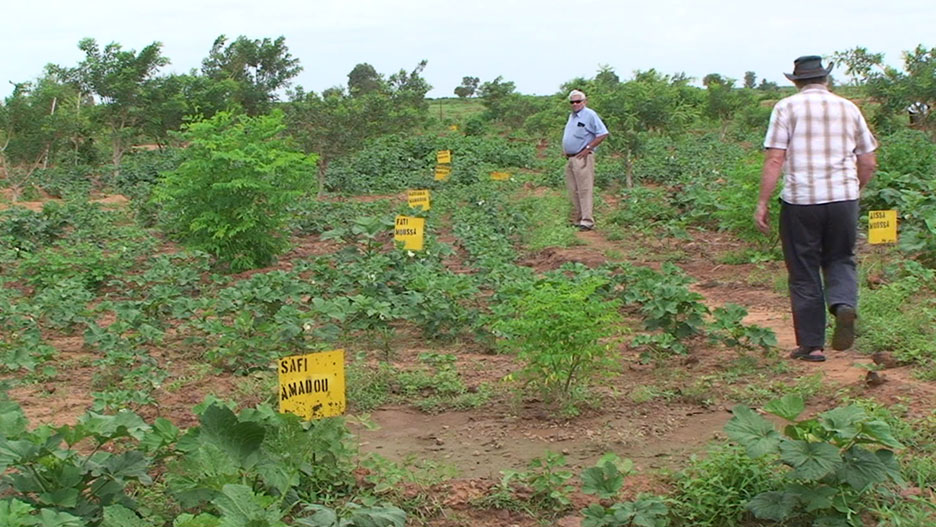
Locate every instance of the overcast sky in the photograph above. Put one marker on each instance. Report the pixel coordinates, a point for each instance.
(538, 44)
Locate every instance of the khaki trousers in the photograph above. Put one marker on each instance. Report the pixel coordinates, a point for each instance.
(580, 182)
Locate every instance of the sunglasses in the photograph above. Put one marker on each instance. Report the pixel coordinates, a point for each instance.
(576, 102)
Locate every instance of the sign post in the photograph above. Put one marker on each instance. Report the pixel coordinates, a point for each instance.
(418, 199)
(882, 226)
(312, 386)
(411, 231)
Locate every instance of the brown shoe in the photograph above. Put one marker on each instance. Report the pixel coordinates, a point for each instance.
(844, 335)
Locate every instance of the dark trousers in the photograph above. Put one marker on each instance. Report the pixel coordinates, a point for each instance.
(819, 238)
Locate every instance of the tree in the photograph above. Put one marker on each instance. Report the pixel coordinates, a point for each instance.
(722, 100)
(335, 124)
(859, 63)
(259, 67)
(118, 79)
(230, 195)
(750, 80)
(363, 80)
(468, 87)
(649, 104)
(897, 90)
(606, 76)
(766, 85)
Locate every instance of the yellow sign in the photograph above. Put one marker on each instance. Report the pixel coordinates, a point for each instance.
(410, 230)
(418, 199)
(312, 386)
(442, 172)
(500, 176)
(453, 127)
(444, 157)
(882, 226)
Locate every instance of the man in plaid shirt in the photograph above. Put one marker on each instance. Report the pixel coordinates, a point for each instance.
(821, 144)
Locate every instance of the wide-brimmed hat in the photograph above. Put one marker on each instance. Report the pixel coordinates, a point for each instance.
(809, 67)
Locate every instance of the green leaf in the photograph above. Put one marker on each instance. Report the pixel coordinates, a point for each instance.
(889, 460)
(322, 516)
(843, 422)
(831, 521)
(64, 498)
(788, 407)
(131, 464)
(810, 461)
(240, 507)
(378, 517)
(12, 420)
(51, 518)
(776, 506)
(813, 498)
(880, 432)
(15, 513)
(752, 431)
(862, 468)
(202, 520)
(120, 516)
(604, 480)
(241, 440)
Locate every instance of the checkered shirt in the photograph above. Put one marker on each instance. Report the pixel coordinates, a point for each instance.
(823, 134)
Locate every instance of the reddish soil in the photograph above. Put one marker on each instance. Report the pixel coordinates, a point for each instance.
(656, 414)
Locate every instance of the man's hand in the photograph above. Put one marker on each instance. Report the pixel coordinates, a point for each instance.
(584, 152)
(761, 218)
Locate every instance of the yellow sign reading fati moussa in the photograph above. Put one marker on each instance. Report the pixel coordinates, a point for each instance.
(418, 199)
(410, 230)
(312, 386)
(882, 226)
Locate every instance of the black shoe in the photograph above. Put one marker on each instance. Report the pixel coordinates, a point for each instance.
(584, 228)
(844, 335)
(808, 354)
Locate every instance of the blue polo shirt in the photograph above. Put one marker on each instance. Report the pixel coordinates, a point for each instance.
(583, 126)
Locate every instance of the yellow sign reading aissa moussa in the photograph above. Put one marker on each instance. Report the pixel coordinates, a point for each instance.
(442, 172)
(312, 386)
(444, 157)
(418, 199)
(882, 226)
(410, 230)
(500, 176)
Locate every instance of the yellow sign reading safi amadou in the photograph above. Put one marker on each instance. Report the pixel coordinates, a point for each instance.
(312, 386)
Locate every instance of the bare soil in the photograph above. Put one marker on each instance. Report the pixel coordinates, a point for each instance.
(656, 431)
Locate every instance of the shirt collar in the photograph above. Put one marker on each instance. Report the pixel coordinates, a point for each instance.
(814, 87)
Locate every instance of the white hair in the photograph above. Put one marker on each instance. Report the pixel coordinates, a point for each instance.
(580, 93)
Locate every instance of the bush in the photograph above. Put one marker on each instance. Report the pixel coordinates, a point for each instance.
(559, 329)
(229, 197)
(712, 490)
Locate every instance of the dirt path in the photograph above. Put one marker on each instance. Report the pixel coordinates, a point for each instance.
(483, 443)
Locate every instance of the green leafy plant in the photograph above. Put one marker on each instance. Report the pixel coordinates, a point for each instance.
(559, 330)
(837, 460)
(230, 195)
(727, 327)
(605, 479)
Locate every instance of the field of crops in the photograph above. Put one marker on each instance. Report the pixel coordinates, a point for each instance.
(512, 372)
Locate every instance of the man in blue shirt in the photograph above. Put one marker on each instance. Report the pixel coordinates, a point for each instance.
(583, 133)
